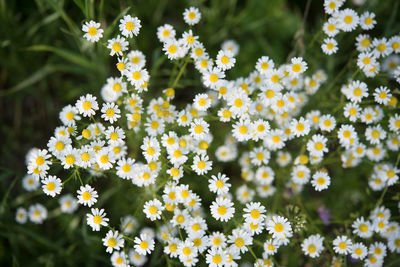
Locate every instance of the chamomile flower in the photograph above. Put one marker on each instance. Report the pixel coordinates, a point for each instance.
(347, 135)
(114, 135)
(317, 145)
(230, 45)
(332, 6)
(327, 123)
(320, 181)
(330, 27)
(297, 67)
(173, 49)
(329, 46)
(69, 157)
(68, 115)
(113, 241)
(51, 185)
(222, 209)
(201, 164)
(394, 242)
(129, 26)
(264, 65)
(213, 77)
(165, 32)
(348, 20)
(119, 259)
(363, 43)
(352, 111)
(188, 39)
(217, 240)
(367, 20)
(105, 159)
(92, 30)
(96, 219)
(242, 130)
(313, 245)
(87, 105)
(37, 213)
(275, 139)
(219, 184)
(110, 112)
(359, 251)
(225, 60)
(21, 216)
(382, 47)
(87, 195)
(68, 203)
(260, 156)
(202, 102)
(30, 183)
(240, 239)
(198, 129)
(192, 15)
(137, 76)
(117, 45)
(368, 115)
(216, 257)
(375, 134)
(300, 174)
(153, 209)
(279, 227)
(362, 228)
(342, 245)
(382, 95)
(300, 127)
(254, 212)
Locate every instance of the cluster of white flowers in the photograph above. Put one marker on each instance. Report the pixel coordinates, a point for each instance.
(263, 112)
(374, 54)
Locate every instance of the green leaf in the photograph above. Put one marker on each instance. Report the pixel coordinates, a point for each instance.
(68, 55)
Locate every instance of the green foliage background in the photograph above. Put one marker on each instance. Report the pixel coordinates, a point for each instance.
(45, 64)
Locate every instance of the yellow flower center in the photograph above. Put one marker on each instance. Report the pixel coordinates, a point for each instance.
(92, 31)
(225, 60)
(51, 186)
(153, 209)
(86, 195)
(129, 25)
(278, 227)
(222, 210)
(60, 145)
(239, 242)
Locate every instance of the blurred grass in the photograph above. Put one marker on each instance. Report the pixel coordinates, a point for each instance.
(45, 64)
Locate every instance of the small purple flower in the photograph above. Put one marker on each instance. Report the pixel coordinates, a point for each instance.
(352, 260)
(325, 214)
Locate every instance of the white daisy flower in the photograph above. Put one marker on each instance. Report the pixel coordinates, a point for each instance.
(129, 26)
(87, 105)
(87, 195)
(117, 45)
(342, 245)
(320, 181)
(96, 219)
(165, 32)
(329, 46)
(222, 209)
(92, 30)
(192, 15)
(153, 209)
(52, 185)
(313, 245)
(113, 241)
(111, 112)
(219, 184)
(225, 60)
